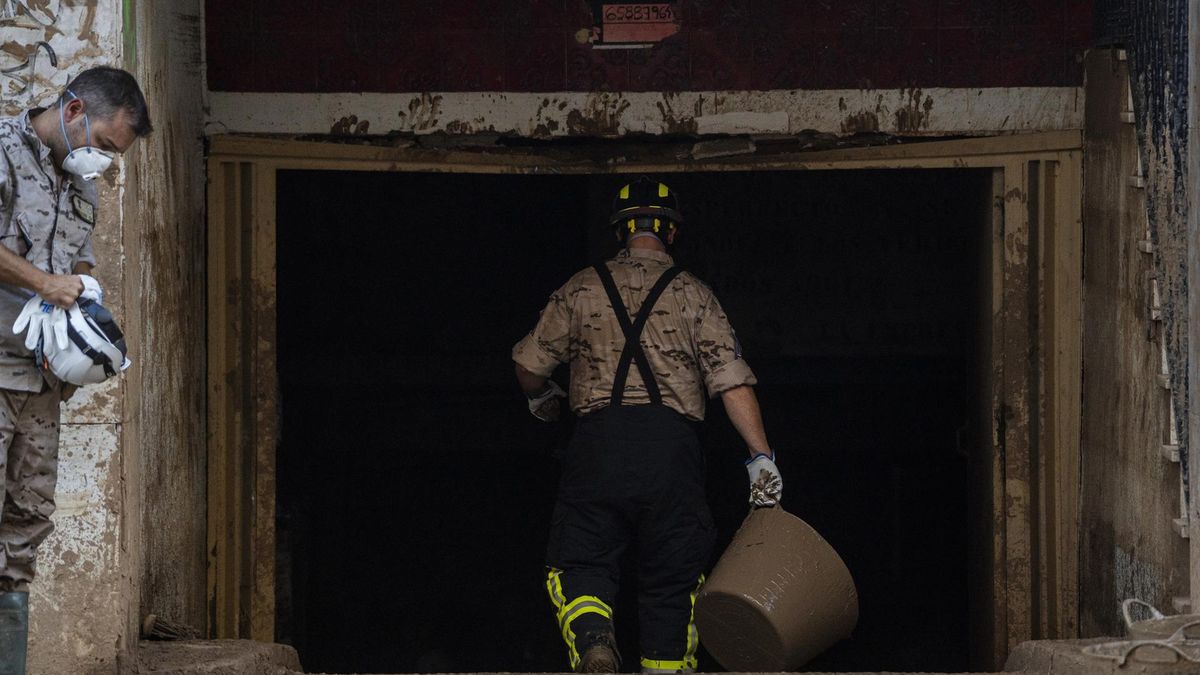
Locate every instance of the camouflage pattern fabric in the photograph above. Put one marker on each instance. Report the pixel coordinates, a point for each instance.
(28, 474)
(45, 218)
(688, 340)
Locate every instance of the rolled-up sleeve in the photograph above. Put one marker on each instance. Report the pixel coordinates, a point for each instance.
(547, 345)
(720, 354)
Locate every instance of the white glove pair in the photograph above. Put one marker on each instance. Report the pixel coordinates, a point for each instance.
(545, 405)
(766, 485)
(43, 319)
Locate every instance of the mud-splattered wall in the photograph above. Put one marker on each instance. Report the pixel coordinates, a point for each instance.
(164, 252)
(540, 46)
(79, 601)
(130, 519)
(1130, 490)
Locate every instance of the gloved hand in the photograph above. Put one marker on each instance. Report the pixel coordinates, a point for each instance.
(766, 485)
(91, 289)
(545, 405)
(43, 320)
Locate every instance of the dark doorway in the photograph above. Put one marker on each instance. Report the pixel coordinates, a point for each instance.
(415, 489)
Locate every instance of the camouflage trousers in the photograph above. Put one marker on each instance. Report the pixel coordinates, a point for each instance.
(28, 473)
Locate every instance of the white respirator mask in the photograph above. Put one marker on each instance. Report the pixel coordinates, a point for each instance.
(86, 162)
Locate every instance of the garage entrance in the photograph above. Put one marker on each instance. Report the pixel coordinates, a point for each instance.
(413, 490)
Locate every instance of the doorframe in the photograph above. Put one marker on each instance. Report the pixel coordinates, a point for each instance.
(1034, 380)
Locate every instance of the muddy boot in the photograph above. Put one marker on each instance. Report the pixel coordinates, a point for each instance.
(14, 628)
(600, 656)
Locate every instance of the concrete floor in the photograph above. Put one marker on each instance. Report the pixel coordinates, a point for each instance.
(243, 657)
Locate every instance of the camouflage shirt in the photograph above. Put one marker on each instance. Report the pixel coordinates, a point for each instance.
(688, 340)
(45, 218)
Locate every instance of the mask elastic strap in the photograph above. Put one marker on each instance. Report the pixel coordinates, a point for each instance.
(62, 123)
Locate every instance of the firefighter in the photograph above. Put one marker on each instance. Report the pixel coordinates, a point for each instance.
(645, 342)
(49, 158)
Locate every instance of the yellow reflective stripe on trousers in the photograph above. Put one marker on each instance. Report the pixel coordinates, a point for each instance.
(584, 604)
(656, 666)
(693, 636)
(566, 612)
(554, 588)
(688, 663)
(578, 607)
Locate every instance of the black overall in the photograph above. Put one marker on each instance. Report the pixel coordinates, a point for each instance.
(632, 473)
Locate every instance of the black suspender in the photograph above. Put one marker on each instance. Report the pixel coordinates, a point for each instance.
(633, 352)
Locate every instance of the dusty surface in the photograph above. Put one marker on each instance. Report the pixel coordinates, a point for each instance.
(214, 657)
(1065, 657)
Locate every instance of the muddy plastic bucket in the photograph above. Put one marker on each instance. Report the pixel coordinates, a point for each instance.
(1158, 626)
(779, 596)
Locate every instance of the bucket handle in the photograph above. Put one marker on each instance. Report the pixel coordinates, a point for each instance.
(1130, 602)
(1180, 635)
(1132, 647)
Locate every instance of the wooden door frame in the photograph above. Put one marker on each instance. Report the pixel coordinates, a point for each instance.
(1035, 378)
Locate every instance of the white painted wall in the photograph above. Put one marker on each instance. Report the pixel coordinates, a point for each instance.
(929, 112)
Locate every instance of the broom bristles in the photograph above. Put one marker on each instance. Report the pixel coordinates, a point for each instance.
(158, 628)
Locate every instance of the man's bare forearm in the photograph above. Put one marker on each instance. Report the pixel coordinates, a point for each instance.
(17, 271)
(742, 407)
(530, 383)
(57, 289)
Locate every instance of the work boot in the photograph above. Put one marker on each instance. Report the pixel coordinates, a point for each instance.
(600, 657)
(14, 629)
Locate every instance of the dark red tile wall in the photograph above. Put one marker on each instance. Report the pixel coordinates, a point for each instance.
(529, 45)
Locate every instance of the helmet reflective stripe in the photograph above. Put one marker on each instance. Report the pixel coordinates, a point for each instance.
(644, 197)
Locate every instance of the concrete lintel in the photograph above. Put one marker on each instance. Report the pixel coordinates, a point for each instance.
(914, 112)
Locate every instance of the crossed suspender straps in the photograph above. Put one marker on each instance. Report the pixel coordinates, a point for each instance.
(633, 352)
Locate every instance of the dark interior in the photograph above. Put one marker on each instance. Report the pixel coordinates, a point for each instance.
(415, 489)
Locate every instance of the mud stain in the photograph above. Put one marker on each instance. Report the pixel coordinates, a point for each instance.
(865, 121)
(673, 122)
(913, 114)
(600, 116)
(350, 126)
(422, 113)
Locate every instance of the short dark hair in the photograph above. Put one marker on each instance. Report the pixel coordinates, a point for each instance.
(105, 90)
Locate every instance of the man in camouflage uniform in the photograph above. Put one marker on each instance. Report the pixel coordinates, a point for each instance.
(645, 343)
(47, 213)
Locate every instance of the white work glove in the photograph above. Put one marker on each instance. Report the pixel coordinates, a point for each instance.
(766, 485)
(91, 289)
(545, 406)
(42, 319)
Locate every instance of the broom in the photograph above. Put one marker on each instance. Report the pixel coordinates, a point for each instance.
(155, 627)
